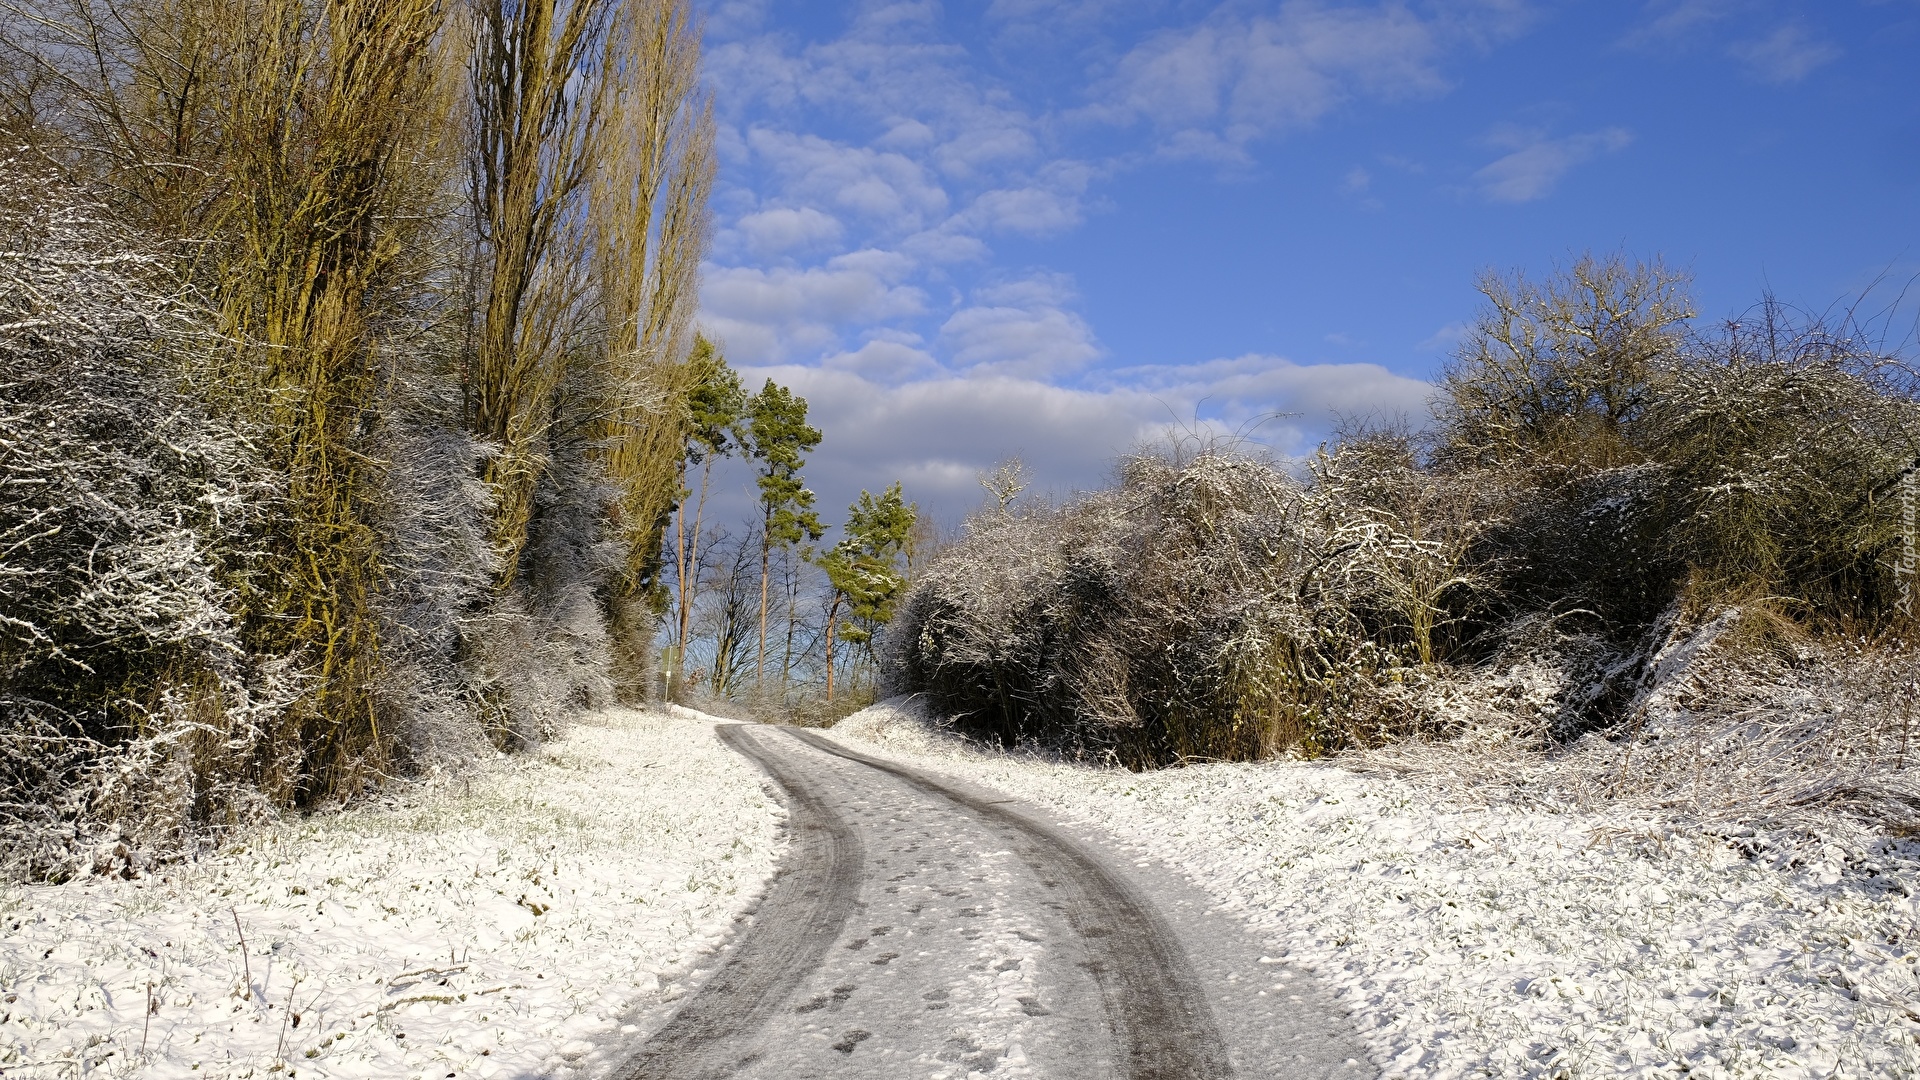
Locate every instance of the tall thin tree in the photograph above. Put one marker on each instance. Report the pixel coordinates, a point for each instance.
(322, 125)
(649, 201)
(780, 440)
(716, 408)
(539, 118)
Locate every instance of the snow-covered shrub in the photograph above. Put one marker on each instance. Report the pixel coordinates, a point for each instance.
(128, 703)
(1783, 446)
(1807, 736)
(543, 650)
(438, 573)
(142, 703)
(1212, 606)
(1759, 460)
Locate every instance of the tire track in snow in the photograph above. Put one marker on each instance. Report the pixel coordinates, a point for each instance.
(1156, 1016)
(1161, 1024)
(816, 888)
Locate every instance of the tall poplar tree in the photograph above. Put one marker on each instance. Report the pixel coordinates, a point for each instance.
(780, 439)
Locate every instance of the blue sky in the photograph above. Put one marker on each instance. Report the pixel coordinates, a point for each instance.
(1050, 229)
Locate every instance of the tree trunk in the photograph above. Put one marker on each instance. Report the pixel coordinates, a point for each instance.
(766, 551)
(680, 573)
(786, 657)
(833, 616)
(690, 564)
(631, 625)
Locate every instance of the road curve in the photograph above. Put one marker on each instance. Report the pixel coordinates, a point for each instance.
(920, 927)
(712, 1034)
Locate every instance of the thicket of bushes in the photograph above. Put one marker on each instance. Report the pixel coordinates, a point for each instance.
(1618, 524)
(343, 393)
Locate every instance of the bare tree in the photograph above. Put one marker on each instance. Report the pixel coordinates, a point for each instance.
(731, 582)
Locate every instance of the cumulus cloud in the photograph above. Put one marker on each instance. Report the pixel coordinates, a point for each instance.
(888, 189)
(1674, 21)
(1214, 87)
(1019, 340)
(776, 231)
(1787, 55)
(1021, 327)
(889, 359)
(936, 435)
(1033, 211)
(765, 315)
(1301, 402)
(1445, 339)
(977, 151)
(948, 243)
(1536, 162)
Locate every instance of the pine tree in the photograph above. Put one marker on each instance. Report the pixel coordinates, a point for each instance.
(863, 568)
(780, 438)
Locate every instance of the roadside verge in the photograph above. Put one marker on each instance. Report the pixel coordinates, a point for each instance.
(500, 924)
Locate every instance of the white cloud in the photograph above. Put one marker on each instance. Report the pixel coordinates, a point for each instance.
(1537, 162)
(1787, 55)
(1044, 204)
(1030, 291)
(1307, 399)
(1445, 339)
(948, 243)
(1020, 340)
(1033, 211)
(768, 315)
(976, 151)
(772, 232)
(1674, 20)
(1049, 13)
(887, 361)
(937, 434)
(731, 18)
(1021, 327)
(890, 190)
(1215, 87)
(908, 134)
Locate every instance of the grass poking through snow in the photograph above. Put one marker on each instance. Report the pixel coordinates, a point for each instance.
(502, 926)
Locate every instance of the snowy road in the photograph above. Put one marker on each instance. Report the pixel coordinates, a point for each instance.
(921, 927)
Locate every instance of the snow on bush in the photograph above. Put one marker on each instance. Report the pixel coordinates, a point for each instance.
(1808, 738)
(128, 704)
(504, 924)
(1212, 605)
(1473, 936)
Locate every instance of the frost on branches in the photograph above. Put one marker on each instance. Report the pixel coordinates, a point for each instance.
(127, 702)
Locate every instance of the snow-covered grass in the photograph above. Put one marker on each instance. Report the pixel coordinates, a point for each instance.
(499, 926)
(1477, 937)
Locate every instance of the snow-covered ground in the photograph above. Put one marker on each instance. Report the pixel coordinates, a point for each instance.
(1472, 938)
(500, 926)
